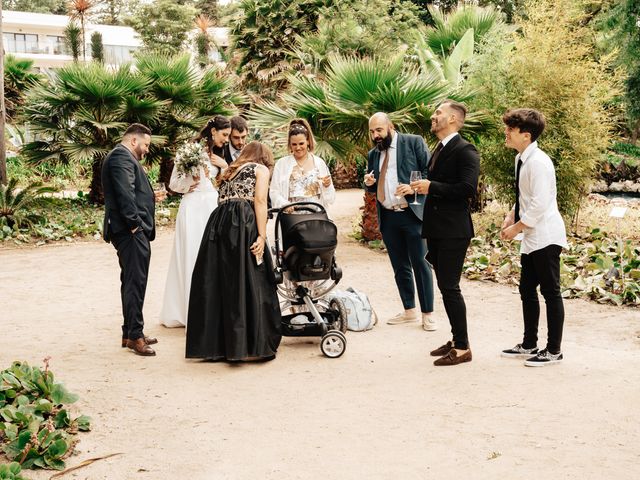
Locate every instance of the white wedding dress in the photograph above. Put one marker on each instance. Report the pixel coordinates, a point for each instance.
(193, 214)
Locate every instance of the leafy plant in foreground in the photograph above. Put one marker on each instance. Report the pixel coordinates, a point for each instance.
(36, 428)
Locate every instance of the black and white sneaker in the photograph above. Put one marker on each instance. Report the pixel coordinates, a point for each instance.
(543, 358)
(519, 352)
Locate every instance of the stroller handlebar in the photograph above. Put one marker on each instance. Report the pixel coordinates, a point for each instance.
(313, 207)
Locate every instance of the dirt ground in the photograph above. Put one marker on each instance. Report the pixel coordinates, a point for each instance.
(381, 411)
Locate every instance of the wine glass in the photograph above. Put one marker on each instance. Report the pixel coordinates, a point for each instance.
(415, 177)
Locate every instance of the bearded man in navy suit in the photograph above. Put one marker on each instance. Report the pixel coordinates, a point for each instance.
(390, 164)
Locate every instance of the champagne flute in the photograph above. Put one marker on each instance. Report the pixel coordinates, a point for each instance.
(415, 177)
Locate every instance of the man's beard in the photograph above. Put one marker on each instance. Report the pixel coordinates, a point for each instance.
(384, 143)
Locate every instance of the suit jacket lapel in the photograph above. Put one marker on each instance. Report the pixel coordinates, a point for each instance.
(445, 152)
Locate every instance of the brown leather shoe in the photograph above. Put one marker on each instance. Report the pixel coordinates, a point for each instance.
(148, 341)
(140, 347)
(452, 358)
(443, 350)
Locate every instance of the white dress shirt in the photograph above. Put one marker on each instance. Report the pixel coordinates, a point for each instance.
(538, 206)
(234, 152)
(447, 139)
(391, 179)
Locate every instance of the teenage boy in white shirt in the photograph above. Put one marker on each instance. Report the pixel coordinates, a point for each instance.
(535, 216)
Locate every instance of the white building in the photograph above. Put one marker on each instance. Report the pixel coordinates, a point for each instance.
(40, 37)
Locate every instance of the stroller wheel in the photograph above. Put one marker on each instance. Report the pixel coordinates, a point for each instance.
(337, 305)
(333, 344)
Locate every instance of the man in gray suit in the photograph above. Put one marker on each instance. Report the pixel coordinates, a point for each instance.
(390, 164)
(129, 224)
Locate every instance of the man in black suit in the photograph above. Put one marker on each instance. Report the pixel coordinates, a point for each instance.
(450, 186)
(237, 139)
(390, 164)
(129, 224)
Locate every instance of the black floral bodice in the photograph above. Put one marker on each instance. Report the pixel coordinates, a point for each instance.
(243, 185)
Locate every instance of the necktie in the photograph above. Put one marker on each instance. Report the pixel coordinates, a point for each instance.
(517, 209)
(434, 157)
(383, 176)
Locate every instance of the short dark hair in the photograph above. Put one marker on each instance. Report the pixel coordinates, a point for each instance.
(137, 129)
(459, 108)
(239, 124)
(527, 120)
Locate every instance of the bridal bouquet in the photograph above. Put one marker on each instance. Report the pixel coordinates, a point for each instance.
(190, 156)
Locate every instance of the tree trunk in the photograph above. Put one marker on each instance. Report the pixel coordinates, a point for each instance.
(635, 133)
(96, 195)
(345, 175)
(3, 151)
(369, 223)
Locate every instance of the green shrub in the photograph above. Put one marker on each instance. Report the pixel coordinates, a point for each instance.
(36, 428)
(17, 206)
(548, 66)
(596, 265)
(11, 472)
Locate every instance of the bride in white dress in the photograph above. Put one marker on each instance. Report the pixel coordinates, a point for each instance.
(199, 200)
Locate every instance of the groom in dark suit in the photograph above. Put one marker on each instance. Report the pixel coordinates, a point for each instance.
(237, 139)
(390, 164)
(129, 224)
(450, 187)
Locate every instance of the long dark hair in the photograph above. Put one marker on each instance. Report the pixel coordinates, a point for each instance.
(254, 152)
(219, 123)
(299, 126)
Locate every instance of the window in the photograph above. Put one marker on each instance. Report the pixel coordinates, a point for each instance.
(56, 45)
(21, 43)
(118, 54)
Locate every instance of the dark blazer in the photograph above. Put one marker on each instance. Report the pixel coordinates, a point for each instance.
(227, 154)
(412, 155)
(129, 201)
(454, 181)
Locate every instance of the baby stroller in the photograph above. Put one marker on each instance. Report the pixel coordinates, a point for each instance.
(305, 271)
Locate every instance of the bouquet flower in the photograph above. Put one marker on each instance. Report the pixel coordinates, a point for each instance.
(190, 156)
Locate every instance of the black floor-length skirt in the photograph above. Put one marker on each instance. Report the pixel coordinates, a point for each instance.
(234, 312)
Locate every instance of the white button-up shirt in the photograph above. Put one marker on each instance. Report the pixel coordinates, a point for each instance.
(447, 139)
(234, 152)
(391, 179)
(538, 205)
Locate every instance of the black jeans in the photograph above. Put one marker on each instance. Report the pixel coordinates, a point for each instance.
(134, 255)
(447, 257)
(542, 267)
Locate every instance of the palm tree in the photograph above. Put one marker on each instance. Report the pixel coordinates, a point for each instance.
(189, 96)
(79, 10)
(72, 40)
(339, 105)
(203, 39)
(264, 36)
(18, 78)
(449, 28)
(81, 114)
(16, 205)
